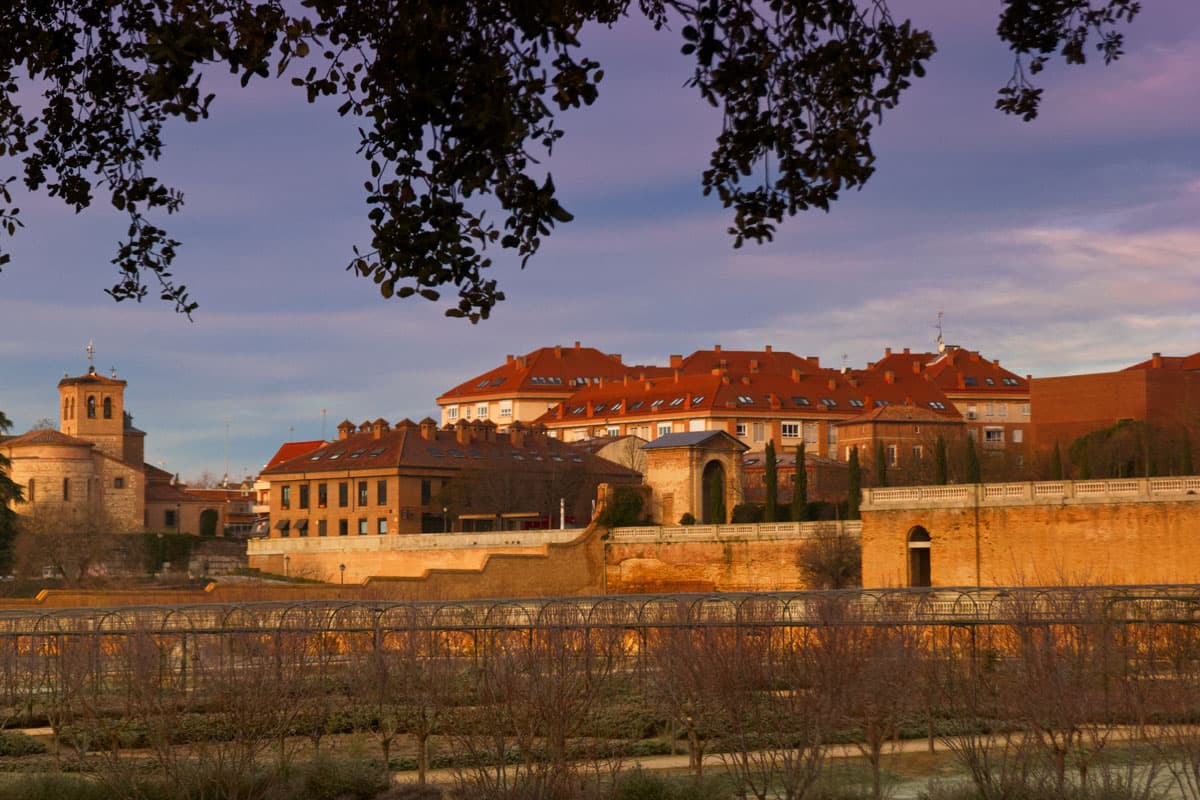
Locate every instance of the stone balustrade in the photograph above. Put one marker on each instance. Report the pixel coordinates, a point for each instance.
(765, 531)
(1121, 490)
(413, 541)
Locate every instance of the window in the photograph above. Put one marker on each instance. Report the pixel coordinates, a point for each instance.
(828, 402)
(343, 527)
(381, 493)
(599, 407)
(741, 429)
(790, 430)
(892, 456)
(322, 527)
(303, 495)
(657, 403)
(800, 401)
(322, 495)
(466, 412)
(970, 380)
(362, 527)
(426, 492)
(481, 411)
(993, 436)
(937, 405)
(697, 400)
(612, 431)
(381, 526)
(1018, 436)
(855, 403)
(918, 452)
(1024, 409)
(636, 404)
(745, 399)
(811, 432)
(989, 381)
(664, 428)
(678, 401)
(362, 493)
(118, 483)
(91, 407)
(285, 497)
(31, 490)
(831, 437)
(169, 521)
(697, 425)
(343, 494)
(108, 408)
(615, 407)
(452, 413)
(505, 409)
(302, 527)
(972, 412)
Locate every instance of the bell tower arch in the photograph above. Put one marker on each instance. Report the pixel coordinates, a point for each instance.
(92, 407)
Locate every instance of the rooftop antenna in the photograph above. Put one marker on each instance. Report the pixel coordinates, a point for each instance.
(941, 345)
(225, 479)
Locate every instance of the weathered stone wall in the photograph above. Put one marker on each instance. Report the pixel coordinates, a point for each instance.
(1124, 532)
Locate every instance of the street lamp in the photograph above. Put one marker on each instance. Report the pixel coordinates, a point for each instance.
(445, 520)
(342, 567)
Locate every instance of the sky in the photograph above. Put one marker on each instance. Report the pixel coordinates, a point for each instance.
(1066, 245)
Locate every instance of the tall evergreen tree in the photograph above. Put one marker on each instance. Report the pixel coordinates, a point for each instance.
(854, 481)
(880, 464)
(800, 487)
(771, 477)
(1056, 464)
(10, 494)
(941, 470)
(972, 461)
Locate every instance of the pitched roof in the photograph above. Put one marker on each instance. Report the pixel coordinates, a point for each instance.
(955, 371)
(905, 414)
(812, 395)
(92, 377)
(747, 362)
(289, 450)
(547, 370)
(693, 439)
(480, 446)
(1158, 361)
(45, 436)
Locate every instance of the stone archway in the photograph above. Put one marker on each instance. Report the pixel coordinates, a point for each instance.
(919, 551)
(713, 494)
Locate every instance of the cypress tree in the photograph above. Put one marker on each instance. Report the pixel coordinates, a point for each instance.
(800, 487)
(941, 474)
(772, 481)
(854, 480)
(1056, 465)
(880, 465)
(973, 475)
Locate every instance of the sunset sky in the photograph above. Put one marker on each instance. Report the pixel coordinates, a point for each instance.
(1070, 244)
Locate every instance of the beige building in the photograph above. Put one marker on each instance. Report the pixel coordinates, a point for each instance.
(91, 472)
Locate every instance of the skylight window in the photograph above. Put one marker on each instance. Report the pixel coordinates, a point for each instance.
(989, 381)
(828, 402)
(537, 379)
(317, 457)
(746, 399)
(698, 399)
(657, 403)
(855, 403)
(577, 410)
(483, 384)
(378, 451)
(555, 381)
(1011, 382)
(880, 403)
(497, 381)
(751, 461)
(970, 380)
(800, 401)
(615, 407)
(937, 405)
(598, 408)
(636, 404)
(358, 453)
(337, 455)
(676, 402)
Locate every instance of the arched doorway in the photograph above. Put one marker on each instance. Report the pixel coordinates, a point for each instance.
(713, 494)
(918, 557)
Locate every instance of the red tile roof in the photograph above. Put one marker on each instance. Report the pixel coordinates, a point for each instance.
(747, 362)
(905, 414)
(405, 447)
(289, 450)
(92, 377)
(45, 436)
(547, 370)
(956, 371)
(826, 393)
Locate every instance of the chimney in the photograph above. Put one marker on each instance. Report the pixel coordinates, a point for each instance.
(887, 351)
(615, 356)
(906, 351)
(677, 376)
(717, 348)
(889, 376)
(428, 429)
(996, 362)
(745, 380)
(560, 410)
(916, 366)
(602, 381)
(816, 360)
(767, 348)
(753, 365)
(868, 402)
(462, 432)
(508, 359)
(795, 374)
(587, 408)
(577, 345)
(1156, 360)
(516, 434)
(832, 384)
(687, 400)
(379, 427)
(676, 361)
(522, 363)
(344, 429)
(907, 400)
(558, 351)
(625, 380)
